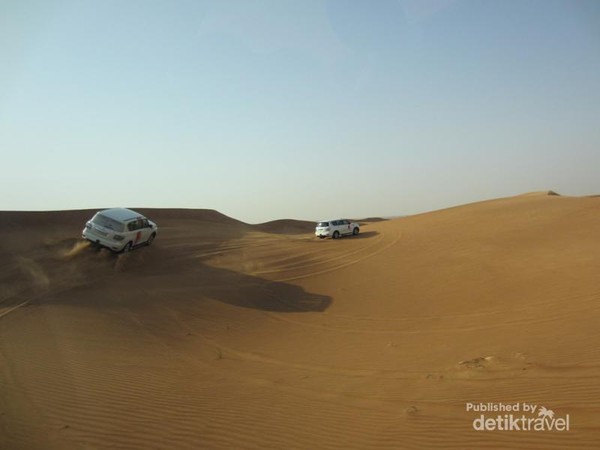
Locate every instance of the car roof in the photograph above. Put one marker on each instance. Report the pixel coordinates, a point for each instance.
(331, 220)
(120, 214)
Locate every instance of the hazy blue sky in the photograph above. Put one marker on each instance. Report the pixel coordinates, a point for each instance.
(304, 109)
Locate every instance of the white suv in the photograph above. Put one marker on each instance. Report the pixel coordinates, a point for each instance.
(336, 228)
(119, 229)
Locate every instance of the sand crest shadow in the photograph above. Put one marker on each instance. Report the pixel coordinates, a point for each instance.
(249, 291)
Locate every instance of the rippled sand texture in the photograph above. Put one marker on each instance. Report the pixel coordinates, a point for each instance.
(227, 335)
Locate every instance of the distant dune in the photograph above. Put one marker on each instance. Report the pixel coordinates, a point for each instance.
(538, 193)
(18, 219)
(286, 226)
(204, 215)
(79, 217)
(228, 335)
(373, 219)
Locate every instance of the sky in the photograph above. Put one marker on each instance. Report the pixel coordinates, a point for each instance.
(312, 109)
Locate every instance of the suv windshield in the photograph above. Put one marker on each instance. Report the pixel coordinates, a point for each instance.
(107, 222)
(323, 224)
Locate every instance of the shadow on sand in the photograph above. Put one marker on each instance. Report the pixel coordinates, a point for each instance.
(363, 235)
(239, 289)
(248, 291)
(156, 274)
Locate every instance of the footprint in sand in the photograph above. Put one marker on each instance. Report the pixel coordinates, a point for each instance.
(476, 363)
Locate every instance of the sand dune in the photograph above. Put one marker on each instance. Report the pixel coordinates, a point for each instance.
(229, 335)
(371, 219)
(538, 193)
(286, 226)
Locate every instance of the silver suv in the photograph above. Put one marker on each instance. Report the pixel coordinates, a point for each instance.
(336, 228)
(120, 229)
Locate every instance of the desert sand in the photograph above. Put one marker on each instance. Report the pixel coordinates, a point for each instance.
(229, 335)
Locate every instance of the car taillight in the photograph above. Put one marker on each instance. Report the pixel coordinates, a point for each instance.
(118, 237)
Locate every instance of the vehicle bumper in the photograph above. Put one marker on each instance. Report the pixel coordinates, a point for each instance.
(323, 233)
(108, 243)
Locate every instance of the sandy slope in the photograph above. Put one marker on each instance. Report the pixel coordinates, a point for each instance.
(222, 335)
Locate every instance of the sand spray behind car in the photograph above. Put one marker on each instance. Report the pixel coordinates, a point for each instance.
(76, 249)
(81, 246)
(55, 266)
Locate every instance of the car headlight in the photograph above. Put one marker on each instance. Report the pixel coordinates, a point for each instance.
(88, 225)
(118, 237)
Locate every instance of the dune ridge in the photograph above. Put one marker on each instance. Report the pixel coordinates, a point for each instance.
(540, 193)
(286, 226)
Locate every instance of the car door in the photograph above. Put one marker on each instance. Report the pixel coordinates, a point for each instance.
(143, 231)
(336, 227)
(339, 226)
(147, 230)
(136, 231)
(133, 233)
(345, 227)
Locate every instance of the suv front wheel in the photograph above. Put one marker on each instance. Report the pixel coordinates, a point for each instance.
(150, 239)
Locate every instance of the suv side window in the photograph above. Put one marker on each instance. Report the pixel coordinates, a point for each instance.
(335, 222)
(132, 226)
(145, 223)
